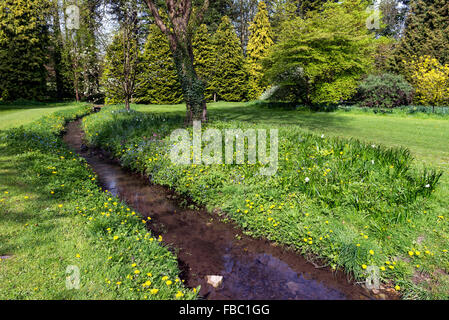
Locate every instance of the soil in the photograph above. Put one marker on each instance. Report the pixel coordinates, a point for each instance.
(251, 268)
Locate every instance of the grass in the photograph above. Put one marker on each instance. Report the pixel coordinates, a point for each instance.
(53, 216)
(354, 215)
(17, 114)
(43, 238)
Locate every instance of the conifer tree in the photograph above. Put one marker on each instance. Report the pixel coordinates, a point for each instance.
(157, 77)
(229, 82)
(23, 49)
(203, 51)
(112, 77)
(426, 34)
(260, 40)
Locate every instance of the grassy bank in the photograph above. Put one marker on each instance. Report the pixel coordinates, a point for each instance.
(56, 221)
(354, 204)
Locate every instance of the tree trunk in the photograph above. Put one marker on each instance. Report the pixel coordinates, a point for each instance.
(192, 86)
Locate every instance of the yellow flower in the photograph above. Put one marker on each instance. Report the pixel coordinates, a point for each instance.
(371, 252)
(169, 282)
(179, 294)
(146, 284)
(118, 283)
(410, 253)
(164, 278)
(154, 291)
(397, 288)
(115, 237)
(78, 255)
(364, 266)
(136, 271)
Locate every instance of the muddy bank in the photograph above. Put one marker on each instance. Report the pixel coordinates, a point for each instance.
(251, 268)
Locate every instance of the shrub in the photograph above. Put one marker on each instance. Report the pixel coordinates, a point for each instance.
(431, 80)
(385, 91)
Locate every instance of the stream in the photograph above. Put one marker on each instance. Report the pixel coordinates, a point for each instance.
(251, 268)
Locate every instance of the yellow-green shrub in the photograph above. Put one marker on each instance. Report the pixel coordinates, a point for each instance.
(431, 81)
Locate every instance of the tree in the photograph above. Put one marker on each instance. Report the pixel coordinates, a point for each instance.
(426, 33)
(321, 58)
(157, 78)
(243, 13)
(83, 50)
(24, 43)
(204, 52)
(112, 78)
(179, 30)
(230, 79)
(431, 81)
(260, 41)
(216, 10)
(279, 12)
(126, 12)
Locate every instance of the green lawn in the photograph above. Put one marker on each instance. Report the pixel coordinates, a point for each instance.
(53, 220)
(33, 230)
(14, 115)
(427, 137)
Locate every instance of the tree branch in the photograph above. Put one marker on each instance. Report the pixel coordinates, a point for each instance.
(202, 11)
(155, 12)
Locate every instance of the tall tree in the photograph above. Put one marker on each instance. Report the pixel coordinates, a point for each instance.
(23, 48)
(230, 79)
(243, 13)
(260, 41)
(179, 31)
(126, 13)
(426, 33)
(320, 59)
(204, 52)
(158, 82)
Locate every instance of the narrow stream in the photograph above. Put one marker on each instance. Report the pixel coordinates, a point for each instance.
(251, 268)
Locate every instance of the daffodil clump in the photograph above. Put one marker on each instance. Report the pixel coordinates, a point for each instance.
(353, 204)
(120, 259)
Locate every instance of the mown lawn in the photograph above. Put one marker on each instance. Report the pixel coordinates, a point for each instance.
(360, 233)
(56, 223)
(43, 238)
(17, 114)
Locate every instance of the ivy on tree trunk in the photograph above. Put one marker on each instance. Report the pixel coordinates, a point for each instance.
(179, 34)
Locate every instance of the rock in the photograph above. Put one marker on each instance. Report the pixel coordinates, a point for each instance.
(382, 296)
(293, 286)
(375, 291)
(214, 281)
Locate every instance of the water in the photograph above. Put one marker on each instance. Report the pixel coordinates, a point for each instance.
(251, 268)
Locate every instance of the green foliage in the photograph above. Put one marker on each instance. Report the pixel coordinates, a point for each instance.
(320, 59)
(157, 79)
(230, 75)
(260, 41)
(332, 197)
(112, 77)
(426, 34)
(385, 91)
(23, 49)
(204, 53)
(103, 236)
(430, 79)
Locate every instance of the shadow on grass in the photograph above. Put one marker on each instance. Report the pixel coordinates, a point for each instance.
(27, 105)
(278, 117)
